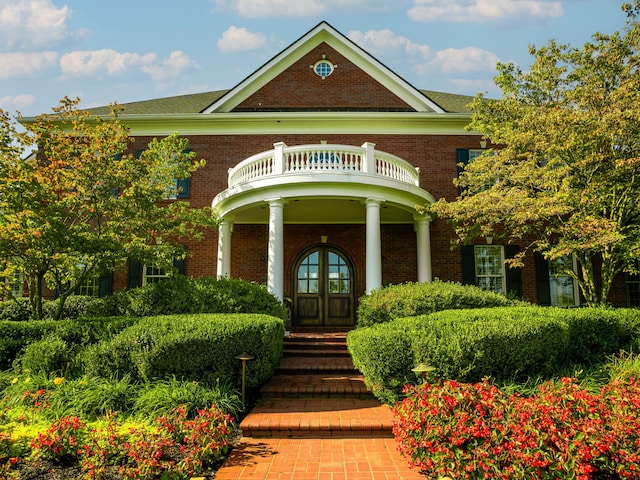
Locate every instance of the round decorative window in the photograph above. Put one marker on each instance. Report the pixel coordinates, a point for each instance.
(323, 68)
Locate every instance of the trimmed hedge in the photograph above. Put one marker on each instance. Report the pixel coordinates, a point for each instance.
(181, 295)
(199, 347)
(176, 295)
(412, 299)
(16, 336)
(509, 343)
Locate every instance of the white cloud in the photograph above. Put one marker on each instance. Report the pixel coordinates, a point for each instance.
(25, 64)
(170, 67)
(479, 11)
(110, 62)
(300, 8)
(92, 62)
(465, 60)
(385, 42)
(32, 23)
(16, 102)
(236, 39)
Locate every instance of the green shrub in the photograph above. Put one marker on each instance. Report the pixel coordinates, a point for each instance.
(180, 295)
(18, 309)
(510, 343)
(15, 336)
(162, 396)
(193, 347)
(412, 299)
(92, 397)
(50, 355)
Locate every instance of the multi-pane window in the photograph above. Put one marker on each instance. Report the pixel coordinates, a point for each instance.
(91, 287)
(561, 285)
(152, 274)
(474, 153)
(632, 286)
(16, 285)
(308, 274)
(489, 263)
(339, 277)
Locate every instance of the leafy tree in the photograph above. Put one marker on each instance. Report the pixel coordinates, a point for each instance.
(567, 173)
(80, 205)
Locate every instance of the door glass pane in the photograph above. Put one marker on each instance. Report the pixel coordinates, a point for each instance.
(308, 274)
(338, 273)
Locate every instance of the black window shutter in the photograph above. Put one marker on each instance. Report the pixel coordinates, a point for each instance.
(462, 158)
(468, 265)
(104, 284)
(135, 273)
(514, 275)
(184, 186)
(542, 280)
(180, 264)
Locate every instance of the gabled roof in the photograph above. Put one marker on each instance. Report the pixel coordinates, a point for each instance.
(198, 102)
(324, 33)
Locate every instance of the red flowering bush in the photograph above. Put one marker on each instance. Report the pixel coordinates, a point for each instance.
(562, 432)
(179, 446)
(102, 448)
(61, 441)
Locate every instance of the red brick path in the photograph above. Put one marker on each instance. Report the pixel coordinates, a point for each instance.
(316, 421)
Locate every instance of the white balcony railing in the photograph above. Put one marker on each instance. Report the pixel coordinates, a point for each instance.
(316, 159)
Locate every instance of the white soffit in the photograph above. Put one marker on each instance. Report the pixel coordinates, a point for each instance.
(323, 32)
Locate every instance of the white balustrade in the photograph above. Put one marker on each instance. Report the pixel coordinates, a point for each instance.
(323, 158)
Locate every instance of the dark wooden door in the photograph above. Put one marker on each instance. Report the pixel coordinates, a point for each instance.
(323, 289)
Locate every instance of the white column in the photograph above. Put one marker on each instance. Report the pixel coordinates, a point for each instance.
(423, 248)
(275, 261)
(373, 246)
(224, 248)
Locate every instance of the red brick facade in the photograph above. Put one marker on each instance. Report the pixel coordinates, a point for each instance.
(349, 88)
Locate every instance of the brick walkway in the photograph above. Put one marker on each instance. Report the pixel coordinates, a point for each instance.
(316, 421)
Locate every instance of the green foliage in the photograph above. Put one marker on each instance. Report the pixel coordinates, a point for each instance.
(162, 396)
(49, 356)
(193, 347)
(15, 336)
(411, 299)
(508, 344)
(71, 226)
(180, 295)
(17, 309)
(92, 397)
(566, 173)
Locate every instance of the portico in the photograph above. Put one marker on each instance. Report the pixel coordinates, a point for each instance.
(323, 184)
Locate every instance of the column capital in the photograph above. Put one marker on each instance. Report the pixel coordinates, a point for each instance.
(276, 201)
(372, 201)
(422, 218)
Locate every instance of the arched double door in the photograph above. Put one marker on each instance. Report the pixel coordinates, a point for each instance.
(323, 288)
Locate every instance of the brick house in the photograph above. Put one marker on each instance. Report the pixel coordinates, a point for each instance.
(315, 163)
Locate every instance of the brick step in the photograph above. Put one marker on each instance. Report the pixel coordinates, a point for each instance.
(332, 352)
(321, 365)
(309, 345)
(317, 385)
(318, 418)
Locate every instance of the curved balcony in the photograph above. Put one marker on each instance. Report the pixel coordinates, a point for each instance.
(323, 158)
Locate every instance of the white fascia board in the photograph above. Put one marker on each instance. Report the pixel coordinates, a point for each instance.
(252, 123)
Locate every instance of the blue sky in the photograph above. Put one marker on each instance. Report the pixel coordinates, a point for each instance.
(127, 50)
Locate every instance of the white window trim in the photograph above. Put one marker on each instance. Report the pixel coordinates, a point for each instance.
(159, 276)
(504, 273)
(576, 292)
